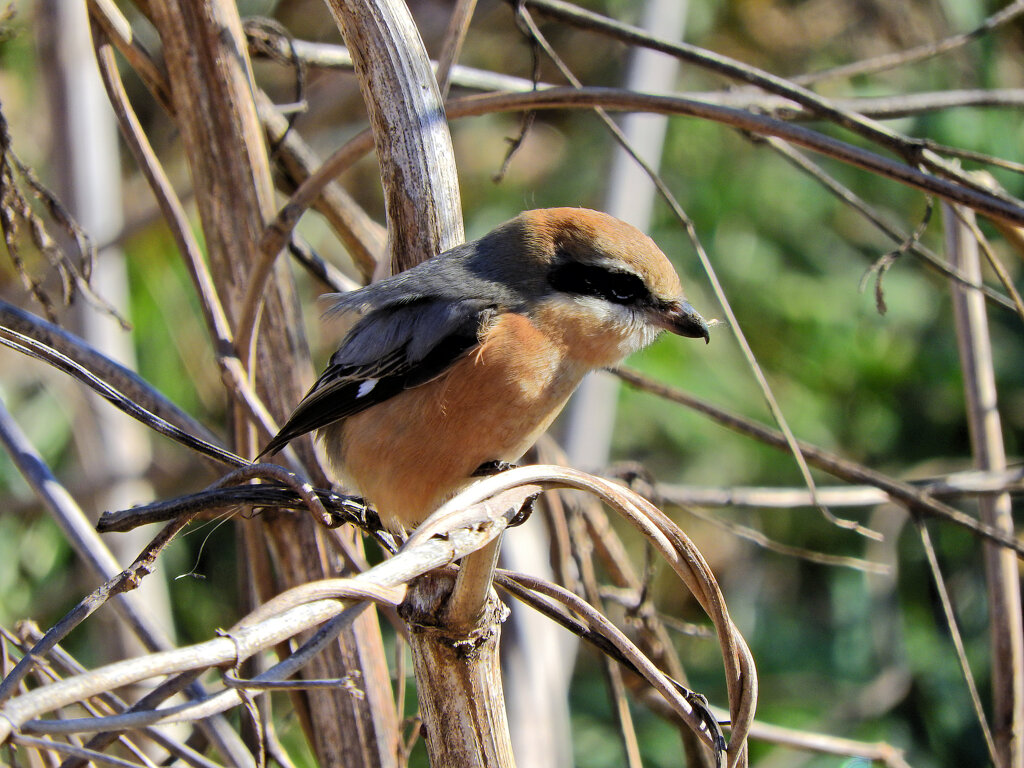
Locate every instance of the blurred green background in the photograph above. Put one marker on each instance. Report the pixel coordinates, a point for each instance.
(839, 651)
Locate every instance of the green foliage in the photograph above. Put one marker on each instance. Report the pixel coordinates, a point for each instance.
(862, 656)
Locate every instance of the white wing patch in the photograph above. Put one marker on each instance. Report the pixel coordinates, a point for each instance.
(366, 387)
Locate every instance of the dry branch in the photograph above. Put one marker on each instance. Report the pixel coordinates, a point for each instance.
(202, 78)
(1001, 569)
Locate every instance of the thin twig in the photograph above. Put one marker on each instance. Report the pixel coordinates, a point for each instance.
(801, 553)
(70, 749)
(960, 190)
(341, 509)
(932, 259)
(913, 151)
(33, 348)
(955, 485)
(173, 211)
(901, 492)
(454, 37)
(958, 642)
(728, 67)
(881, 752)
(119, 377)
(716, 285)
(1001, 573)
(913, 55)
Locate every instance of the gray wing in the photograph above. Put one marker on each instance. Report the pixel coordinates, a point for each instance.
(396, 346)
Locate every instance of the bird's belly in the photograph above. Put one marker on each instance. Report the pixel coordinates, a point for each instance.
(414, 451)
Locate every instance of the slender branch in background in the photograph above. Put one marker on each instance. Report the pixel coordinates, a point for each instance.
(958, 190)
(1001, 571)
(332, 56)
(801, 553)
(913, 151)
(824, 744)
(21, 323)
(953, 485)
(719, 290)
(454, 37)
(731, 68)
(48, 745)
(958, 642)
(33, 348)
(930, 258)
(913, 55)
(170, 205)
(278, 231)
(72, 520)
(904, 493)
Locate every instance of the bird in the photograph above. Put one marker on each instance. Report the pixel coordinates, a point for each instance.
(456, 366)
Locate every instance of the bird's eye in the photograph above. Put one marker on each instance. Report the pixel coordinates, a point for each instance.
(593, 280)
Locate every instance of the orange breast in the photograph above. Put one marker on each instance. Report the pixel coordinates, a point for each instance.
(414, 451)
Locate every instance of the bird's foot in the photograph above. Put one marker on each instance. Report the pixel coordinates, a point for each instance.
(495, 467)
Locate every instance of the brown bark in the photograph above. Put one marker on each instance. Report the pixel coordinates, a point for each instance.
(212, 96)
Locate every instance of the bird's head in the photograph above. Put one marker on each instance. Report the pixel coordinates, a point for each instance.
(600, 277)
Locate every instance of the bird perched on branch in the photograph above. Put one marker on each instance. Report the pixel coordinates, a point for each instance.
(461, 363)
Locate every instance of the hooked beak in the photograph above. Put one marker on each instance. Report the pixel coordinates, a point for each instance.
(680, 318)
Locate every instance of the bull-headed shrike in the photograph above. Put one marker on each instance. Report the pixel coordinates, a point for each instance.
(464, 360)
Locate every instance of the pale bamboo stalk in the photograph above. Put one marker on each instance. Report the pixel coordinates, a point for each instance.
(460, 693)
(667, 539)
(211, 91)
(629, 195)
(1002, 576)
(414, 147)
(458, 678)
(88, 171)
